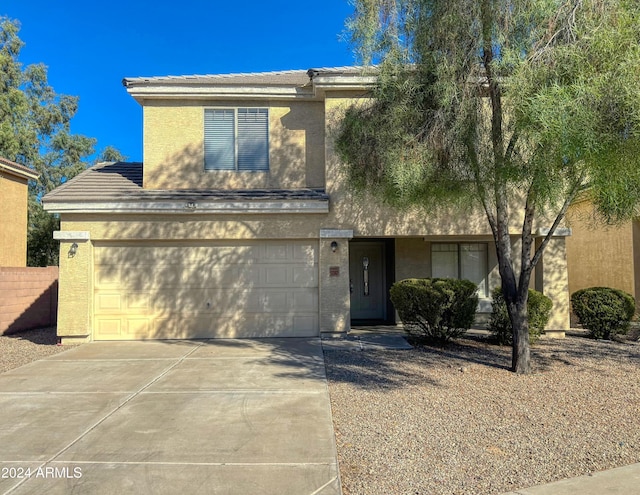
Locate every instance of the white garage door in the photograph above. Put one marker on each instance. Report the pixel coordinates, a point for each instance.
(222, 290)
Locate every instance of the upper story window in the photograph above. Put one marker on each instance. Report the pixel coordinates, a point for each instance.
(236, 139)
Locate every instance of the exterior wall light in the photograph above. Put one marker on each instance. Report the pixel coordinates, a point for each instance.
(73, 250)
(334, 246)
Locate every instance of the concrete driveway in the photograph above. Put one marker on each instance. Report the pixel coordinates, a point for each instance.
(187, 417)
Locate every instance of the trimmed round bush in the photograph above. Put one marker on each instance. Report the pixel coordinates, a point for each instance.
(604, 311)
(435, 308)
(538, 311)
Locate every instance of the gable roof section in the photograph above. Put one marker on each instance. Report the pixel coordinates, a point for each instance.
(116, 187)
(278, 84)
(17, 170)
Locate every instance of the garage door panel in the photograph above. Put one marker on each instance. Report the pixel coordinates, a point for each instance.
(250, 289)
(137, 301)
(176, 326)
(305, 301)
(109, 302)
(232, 301)
(305, 253)
(108, 327)
(108, 276)
(240, 326)
(305, 276)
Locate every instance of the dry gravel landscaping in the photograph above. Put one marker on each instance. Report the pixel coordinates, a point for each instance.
(454, 420)
(23, 347)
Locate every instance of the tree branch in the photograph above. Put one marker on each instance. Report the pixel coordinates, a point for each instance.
(526, 240)
(561, 214)
(511, 146)
(495, 96)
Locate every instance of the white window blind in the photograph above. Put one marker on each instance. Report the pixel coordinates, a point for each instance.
(219, 139)
(253, 139)
(444, 260)
(236, 139)
(473, 265)
(461, 260)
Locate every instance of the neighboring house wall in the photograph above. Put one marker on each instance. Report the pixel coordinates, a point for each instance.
(13, 220)
(28, 298)
(601, 255)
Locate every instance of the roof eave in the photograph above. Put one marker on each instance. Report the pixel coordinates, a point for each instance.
(141, 92)
(21, 173)
(190, 207)
(184, 89)
(343, 82)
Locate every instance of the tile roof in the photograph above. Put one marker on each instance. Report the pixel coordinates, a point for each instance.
(276, 78)
(19, 169)
(122, 181)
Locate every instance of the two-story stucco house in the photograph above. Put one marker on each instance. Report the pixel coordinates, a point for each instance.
(239, 222)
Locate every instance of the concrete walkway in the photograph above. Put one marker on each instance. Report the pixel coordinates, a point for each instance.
(186, 417)
(620, 481)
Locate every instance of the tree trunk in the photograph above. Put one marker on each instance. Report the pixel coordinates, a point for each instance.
(520, 355)
(516, 296)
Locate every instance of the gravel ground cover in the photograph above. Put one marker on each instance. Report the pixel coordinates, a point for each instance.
(23, 347)
(454, 420)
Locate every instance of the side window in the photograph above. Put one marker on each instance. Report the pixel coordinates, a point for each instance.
(236, 139)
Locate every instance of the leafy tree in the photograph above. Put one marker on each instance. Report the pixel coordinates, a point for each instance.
(111, 154)
(35, 131)
(512, 106)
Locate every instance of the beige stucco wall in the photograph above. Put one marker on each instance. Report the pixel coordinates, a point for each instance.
(301, 137)
(600, 255)
(13, 221)
(302, 155)
(412, 258)
(636, 259)
(174, 147)
(552, 279)
(334, 288)
(75, 298)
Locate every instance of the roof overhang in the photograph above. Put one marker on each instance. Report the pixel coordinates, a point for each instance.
(16, 170)
(248, 207)
(142, 92)
(250, 86)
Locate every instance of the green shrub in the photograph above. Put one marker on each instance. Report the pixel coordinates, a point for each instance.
(435, 308)
(603, 311)
(538, 310)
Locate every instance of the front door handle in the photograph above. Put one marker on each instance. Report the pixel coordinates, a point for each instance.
(365, 274)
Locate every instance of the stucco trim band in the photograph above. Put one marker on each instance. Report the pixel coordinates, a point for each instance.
(180, 207)
(336, 234)
(560, 232)
(71, 235)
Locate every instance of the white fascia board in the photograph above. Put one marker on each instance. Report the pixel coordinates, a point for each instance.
(227, 92)
(344, 82)
(193, 207)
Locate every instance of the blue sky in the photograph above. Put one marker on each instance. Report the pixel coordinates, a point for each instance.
(90, 46)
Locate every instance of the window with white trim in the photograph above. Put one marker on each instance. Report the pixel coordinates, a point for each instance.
(236, 139)
(463, 260)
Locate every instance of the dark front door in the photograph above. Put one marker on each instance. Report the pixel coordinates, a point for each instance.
(368, 280)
